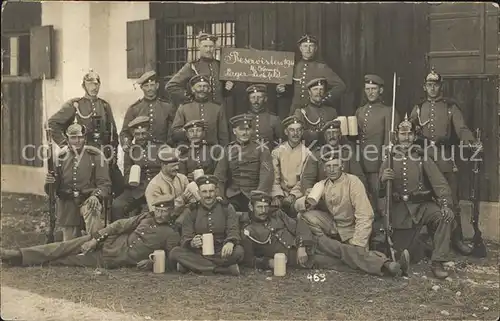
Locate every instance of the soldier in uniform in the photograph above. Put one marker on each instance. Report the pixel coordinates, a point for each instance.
(201, 109)
(289, 159)
(82, 182)
(160, 113)
(416, 181)
(375, 124)
(198, 154)
(96, 115)
(244, 166)
(313, 169)
(440, 122)
(267, 125)
(307, 69)
(219, 219)
(270, 232)
(315, 114)
(205, 65)
(124, 243)
(142, 152)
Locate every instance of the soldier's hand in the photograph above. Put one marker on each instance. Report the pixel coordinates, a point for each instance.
(145, 265)
(387, 174)
(447, 214)
(280, 88)
(227, 250)
(301, 256)
(289, 200)
(187, 194)
(50, 179)
(92, 202)
(277, 201)
(229, 85)
(126, 148)
(89, 246)
(196, 242)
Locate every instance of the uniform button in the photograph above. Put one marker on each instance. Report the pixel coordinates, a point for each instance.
(404, 174)
(130, 245)
(142, 233)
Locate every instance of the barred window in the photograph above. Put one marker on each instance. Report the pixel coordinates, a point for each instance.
(180, 43)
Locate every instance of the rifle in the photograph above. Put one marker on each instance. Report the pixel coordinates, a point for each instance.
(479, 249)
(50, 170)
(388, 189)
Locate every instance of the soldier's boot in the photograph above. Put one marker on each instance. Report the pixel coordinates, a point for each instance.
(11, 256)
(457, 237)
(230, 270)
(438, 269)
(392, 268)
(181, 268)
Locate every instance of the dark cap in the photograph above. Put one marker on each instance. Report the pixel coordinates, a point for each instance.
(167, 155)
(331, 124)
(260, 196)
(307, 38)
(374, 79)
(195, 123)
(331, 155)
(257, 88)
(206, 36)
(207, 179)
(291, 120)
(317, 82)
(148, 76)
(139, 122)
(165, 200)
(241, 120)
(198, 78)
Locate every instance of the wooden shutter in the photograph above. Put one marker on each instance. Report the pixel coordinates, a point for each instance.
(464, 38)
(41, 40)
(141, 47)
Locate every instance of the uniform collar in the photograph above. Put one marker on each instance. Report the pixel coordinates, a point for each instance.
(204, 101)
(439, 98)
(314, 104)
(91, 98)
(150, 100)
(243, 144)
(262, 111)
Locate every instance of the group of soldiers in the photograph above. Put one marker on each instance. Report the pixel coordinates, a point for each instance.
(257, 194)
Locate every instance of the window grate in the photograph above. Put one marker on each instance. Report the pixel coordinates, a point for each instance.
(180, 43)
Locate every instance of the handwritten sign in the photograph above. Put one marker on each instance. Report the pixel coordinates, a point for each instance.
(258, 66)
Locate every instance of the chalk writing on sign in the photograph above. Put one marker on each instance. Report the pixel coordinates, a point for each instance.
(275, 67)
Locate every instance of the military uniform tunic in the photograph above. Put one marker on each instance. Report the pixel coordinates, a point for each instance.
(86, 174)
(214, 117)
(202, 156)
(176, 88)
(314, 117)
(160, 113)
(129, 242)
(267, 127)
(307, 70)
(419, 180)
(245, 172)
(220, 220)
(288, 165)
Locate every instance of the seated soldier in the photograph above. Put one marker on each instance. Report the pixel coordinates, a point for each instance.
(417, 181)
(198, 154)
(269, 233)
(289, 159)
(143, 152)
(313, 170)
(343, 209)
(169, 182)
(210, 215)
(123, 243)
(244, 166)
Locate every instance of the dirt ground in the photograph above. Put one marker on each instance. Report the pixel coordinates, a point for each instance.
(471, 292)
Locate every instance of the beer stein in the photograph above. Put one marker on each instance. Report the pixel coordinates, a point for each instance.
(280, 264)
(208, 244)
(352, 123)
(158, 259)
(134, 177)
(343, 125)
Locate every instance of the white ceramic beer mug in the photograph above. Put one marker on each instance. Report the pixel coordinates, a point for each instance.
(158, 258)
(352, 123)
(343, 125)
(208, 244)
(134, 177)
(197, 173)
(280, 264)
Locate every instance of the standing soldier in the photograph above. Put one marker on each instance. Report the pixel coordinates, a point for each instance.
(289, 160)
(440, 122)
(82, 182)
(160, 113)
(176, 88)
(313, 169)
(375, 124)
(201, 109)
(307, 69)
(315, 114)
(417, 181)
(209, 216)
(267, 125)
(198, 154)
(142, 152)
(244, 166)
(96, 115)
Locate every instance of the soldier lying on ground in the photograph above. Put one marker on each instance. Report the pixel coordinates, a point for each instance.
(274, 232)
(210, 215)
(126, 242)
